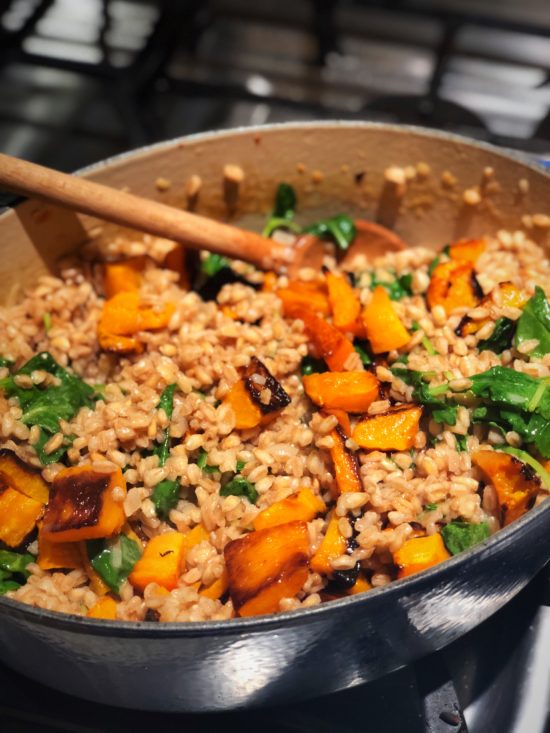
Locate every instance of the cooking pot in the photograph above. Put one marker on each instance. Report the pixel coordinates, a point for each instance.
(334, 166)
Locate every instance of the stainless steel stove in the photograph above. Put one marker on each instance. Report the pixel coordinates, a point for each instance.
(84, 80)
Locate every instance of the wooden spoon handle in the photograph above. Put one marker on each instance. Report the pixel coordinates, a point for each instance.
(135, 212)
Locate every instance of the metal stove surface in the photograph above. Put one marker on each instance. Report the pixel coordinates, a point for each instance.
(494, 680)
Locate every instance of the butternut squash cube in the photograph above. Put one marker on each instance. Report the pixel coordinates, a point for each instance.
(349, 391)
(346, 465)
(104, 608)
(383, 328)
(420, 553)
(22, 478)
(266, 566)
(304, 506)
(332, 546)
(393, 430)
(82, 506)
(162, 562)
(18, 516)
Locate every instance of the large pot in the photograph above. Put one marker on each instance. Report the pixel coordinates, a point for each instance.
(270, 659)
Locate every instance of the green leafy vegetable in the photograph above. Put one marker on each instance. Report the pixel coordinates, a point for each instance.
(113, 560)
(13, 570)
(430, 507)
(399, 288)
(203, 465)
(47, 458)
(461, 442)
(310, 365)
(460, 536)
(534, 323)
(240, 465)
(340, 228)
(433, 264)
(443, 410)
(165, 497)
(5, 362)
(239, 486)
(166, 403)
(362, 348)
(46, 406)
(212, 264)
(402, 359)
(283, 211)
(501, 338)
(527, 458)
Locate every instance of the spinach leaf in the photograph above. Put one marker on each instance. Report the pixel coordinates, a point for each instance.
(501, 338)
(5, 362)
(15, 562)
(402, 359)
(203, 465)
(7, 585)
(212, 264)
(283, 211)
(239, 486)
(46, 406)
(310, 365)
(47, 458)
(509, 388)
(461, 442)
(530, 461)
(340, 228)
(534, 323)
(240, 465)
(460, 536)
(165, 497)
(362, 348)
(443, 410)
(113, 560)
(399, 288)
(162, 449)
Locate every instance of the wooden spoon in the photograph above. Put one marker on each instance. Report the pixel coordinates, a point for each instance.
(199, 232)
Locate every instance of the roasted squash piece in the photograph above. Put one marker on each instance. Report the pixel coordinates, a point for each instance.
(299, 295)
(328, 341)
(304, 506)
(103, 608)
(123, 316)
(333, 545)
(58, 555)
(18, 516)
(255, 397)
(343, 419)
(510, 296)
(419, 554)
(344, 301)
(383, 328)
(162, 562)
(349, 391)
(467, 250)
(516, 483)
(453, 285)
(266, 566)
(82, 506)
(361, 585)
(217, 588)
(346, 465)
(393, 430)
(125, 276)
(22, 478)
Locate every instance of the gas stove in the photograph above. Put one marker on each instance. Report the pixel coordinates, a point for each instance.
(496, 679)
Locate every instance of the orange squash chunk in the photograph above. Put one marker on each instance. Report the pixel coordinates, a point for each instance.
(510, 296)
(162, 561)
(344, 301)
(304, 506)
(346, 465)
(266, 566)
(82, 506)
(516, 484)
(104, 608)
(332, 546)
(453, 286)
(299, 295)
(383, 328)
(123, 316)
(245, 397)
(22, 478)
(328, 341)
(343, 419)
(247, 413)
(121, 277)
(393, 430)
(217, 588)
(467, 250)
(361, 585)
(349, 391)
(58, 555)
(419, 554)
(18, 516)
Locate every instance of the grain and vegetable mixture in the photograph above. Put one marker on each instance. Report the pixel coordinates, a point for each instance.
(185, 439)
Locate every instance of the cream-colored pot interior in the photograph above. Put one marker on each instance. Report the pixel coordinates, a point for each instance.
(447, 187)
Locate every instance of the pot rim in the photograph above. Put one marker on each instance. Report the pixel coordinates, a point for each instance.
(182, 629)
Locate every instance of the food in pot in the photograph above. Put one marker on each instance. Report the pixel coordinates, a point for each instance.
(182, 443)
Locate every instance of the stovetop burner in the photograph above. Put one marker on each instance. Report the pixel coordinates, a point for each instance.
(496, 679)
